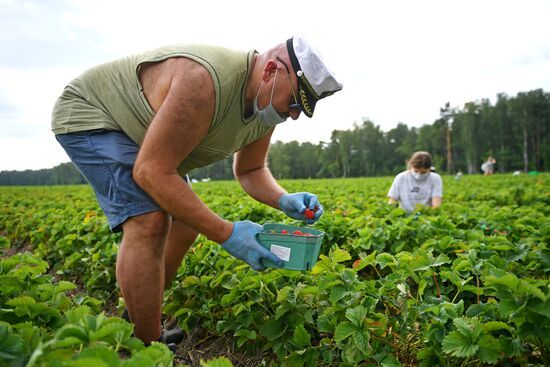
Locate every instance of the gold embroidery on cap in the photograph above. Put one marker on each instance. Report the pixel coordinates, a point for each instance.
(305, 104)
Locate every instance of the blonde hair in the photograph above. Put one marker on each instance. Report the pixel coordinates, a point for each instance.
(420, 160)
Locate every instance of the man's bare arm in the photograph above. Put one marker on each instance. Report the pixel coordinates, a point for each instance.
(181, 122)
(251, 170)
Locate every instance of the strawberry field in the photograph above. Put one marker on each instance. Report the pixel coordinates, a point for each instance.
(466, 284)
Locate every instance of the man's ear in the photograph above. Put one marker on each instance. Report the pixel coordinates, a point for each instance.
(269, 70)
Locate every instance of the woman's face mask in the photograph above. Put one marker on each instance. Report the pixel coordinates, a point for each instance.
(420, 176)
(268, 116)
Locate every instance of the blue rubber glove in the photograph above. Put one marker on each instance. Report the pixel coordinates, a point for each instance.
(243, 245)
(294, 205)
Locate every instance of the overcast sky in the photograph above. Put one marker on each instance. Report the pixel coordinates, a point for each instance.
(399, 61)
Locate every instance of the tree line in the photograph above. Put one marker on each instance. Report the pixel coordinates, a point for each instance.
(63, 174)
(515, 130)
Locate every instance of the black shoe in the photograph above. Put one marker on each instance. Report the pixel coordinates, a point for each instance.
(173, 347)
(173, 336)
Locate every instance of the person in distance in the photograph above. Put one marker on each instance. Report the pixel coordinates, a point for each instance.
(488, 167)
(419, 184)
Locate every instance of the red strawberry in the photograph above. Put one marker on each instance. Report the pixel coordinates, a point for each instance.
(309, 214)
(298, 232)
(284, 231)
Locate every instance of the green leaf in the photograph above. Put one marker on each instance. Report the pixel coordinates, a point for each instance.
(157, 354)
(469, 327)
(284, 293)
(339, 256)
(337, 293)
(68, 341)
(113, 330)
(101, 353)
(78, 314)
(322, 266)
(369, 260)
(357, 315)
(86, 362)
(282, 310)
(244, 335)
(512, 347)
(326, 323)
(518, 287)
(10, 286)
(71, 330)
(542, 309)
(489, 349)
(508, 307)
(273, 328)
(361, 339)
(250, 334)
(64, 286)
(421, 287)
(508, 280)
(390, 361)
(11, 345)
(344, 330)
(462, 265)
(526, 288)
(385, 259)
(496, 325)
(133, 344)
(301, 336)
(459, 345)
(423, 261)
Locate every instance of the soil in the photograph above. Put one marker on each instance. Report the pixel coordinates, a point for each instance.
(200, 344)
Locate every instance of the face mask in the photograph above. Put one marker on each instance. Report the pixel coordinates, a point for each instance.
(268, 116)
(420, 176)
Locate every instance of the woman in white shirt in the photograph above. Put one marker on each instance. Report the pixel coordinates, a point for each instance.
(417, 185)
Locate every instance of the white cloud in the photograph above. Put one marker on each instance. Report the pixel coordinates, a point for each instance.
(400, 61)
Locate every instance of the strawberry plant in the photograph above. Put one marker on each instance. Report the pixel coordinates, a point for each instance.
(431, 287)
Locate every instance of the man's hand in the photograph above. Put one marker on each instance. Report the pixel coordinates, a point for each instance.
(295, 205)
(243, 245)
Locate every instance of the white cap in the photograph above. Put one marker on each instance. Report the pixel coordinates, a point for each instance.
(315, 80)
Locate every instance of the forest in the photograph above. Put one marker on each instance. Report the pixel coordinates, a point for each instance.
(515, 130)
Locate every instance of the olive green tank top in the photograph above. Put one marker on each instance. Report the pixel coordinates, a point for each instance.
(110, 96)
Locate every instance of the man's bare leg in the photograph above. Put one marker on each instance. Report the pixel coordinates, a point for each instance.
(180, 238)
(140, 271)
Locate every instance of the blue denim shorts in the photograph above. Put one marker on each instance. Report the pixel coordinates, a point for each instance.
(106, 159)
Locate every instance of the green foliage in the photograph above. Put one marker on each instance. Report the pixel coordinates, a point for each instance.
(40, 325)
(11, 345)
(469, 341)
(433, 287)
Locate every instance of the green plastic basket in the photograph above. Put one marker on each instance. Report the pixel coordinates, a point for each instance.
(298, 252)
